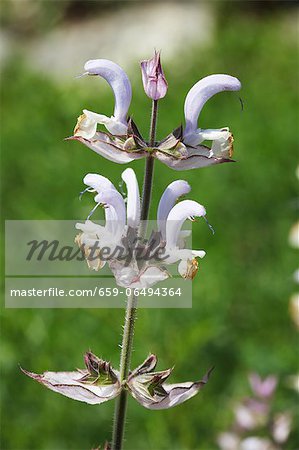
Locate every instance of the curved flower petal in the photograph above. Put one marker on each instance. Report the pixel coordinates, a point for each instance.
(191, 162)
(151, 391)
(133, 202)
(95, 385)
(175, 190)
(201, 92)
(98, 182)
(115, 210)
(119, 82)
(263, 388)
(108, 150)
(177, 216)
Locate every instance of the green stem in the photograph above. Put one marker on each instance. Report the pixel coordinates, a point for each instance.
(125, 359)
(127, 340)
(149, 165)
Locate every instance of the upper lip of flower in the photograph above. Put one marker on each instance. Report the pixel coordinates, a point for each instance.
(119, 82)
(181, 149)
(201, 92)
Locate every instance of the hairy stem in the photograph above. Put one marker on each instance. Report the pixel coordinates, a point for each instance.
(149, 165)
(127, 340)
(125, 359)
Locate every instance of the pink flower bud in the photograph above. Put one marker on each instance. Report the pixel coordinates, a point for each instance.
(154, 82)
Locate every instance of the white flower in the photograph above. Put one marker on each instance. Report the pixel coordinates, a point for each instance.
(120, 236)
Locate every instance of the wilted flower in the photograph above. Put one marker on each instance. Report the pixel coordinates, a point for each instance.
(154, 81)
(124, 251)
(182, 149)
(94, 385)
(150, 389)
(99, 382)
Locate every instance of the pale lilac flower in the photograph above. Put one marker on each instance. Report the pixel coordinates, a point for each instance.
(99, 382)
(222, 139)
(182, 149)
(251, 413)
(254, 415)
(154, 81)
(121, 87)
(122, 220)
(256, 443)
(282, 427)
(228, 441)
(263, 388)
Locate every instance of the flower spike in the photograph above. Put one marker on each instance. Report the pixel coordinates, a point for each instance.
(120, 233)
(179, 150)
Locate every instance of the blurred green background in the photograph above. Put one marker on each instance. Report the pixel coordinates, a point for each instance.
(240, 320)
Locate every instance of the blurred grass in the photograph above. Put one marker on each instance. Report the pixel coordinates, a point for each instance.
(239, 321)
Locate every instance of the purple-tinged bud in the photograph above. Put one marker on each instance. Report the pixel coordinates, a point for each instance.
(154, 81)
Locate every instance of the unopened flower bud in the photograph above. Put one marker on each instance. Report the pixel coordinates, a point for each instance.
(154, 82)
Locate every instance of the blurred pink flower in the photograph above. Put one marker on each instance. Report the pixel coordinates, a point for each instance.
(281, 427)
(262, 388)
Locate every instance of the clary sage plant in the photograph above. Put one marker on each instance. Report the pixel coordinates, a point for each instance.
(122, 143)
